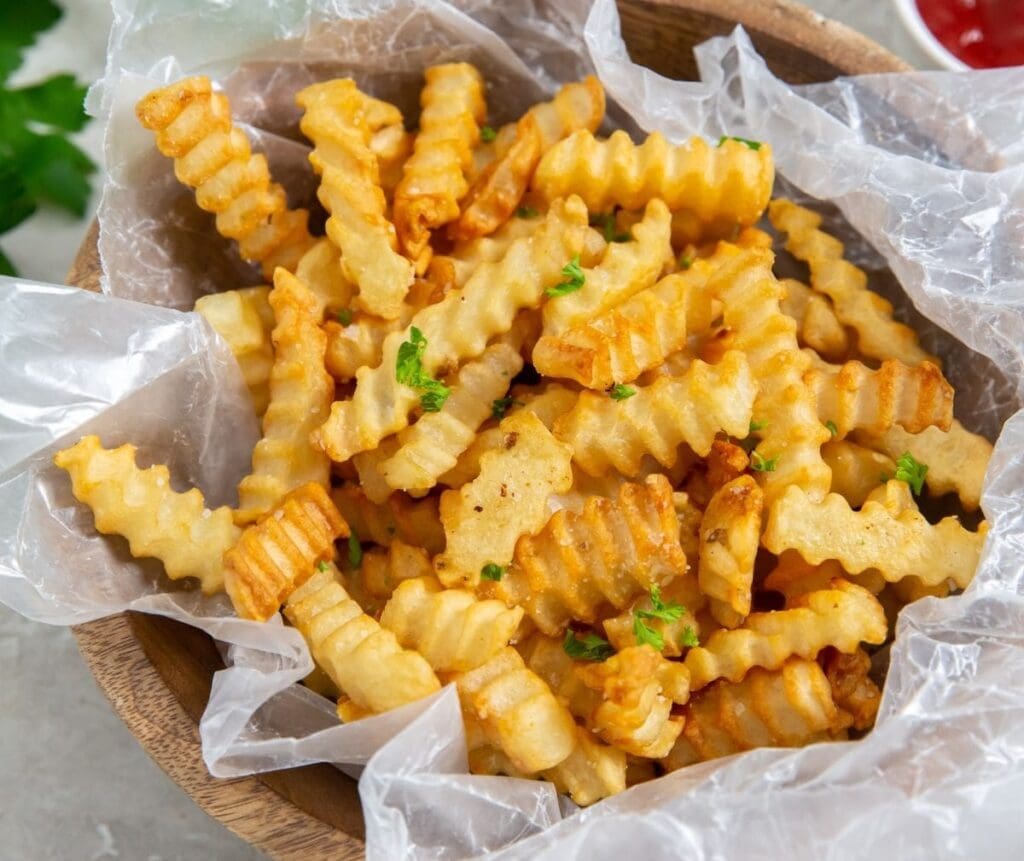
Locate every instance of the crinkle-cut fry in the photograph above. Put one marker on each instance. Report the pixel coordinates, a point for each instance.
(689, 517)
(301, 392)
(193, 126)
(244, 318)
(547, 404)
(339, 124)
(383, 569)
(791, 435)
(363, 659)
(545, 656)
(392, 145)
(898, 546)
(609, 553)
(400, 518)
(484, 519)
(853, 691)
(957, 459)
(369, 467)
(638, 687)
(451, 628)
(625, 269)
(855, 469)
(281, 550)
(692, 408)
(868, 314)
(788, 707)
(725, 185)
(730, 533)
(855, 397)
(517, 712)
(618, 345)
(683, 589)
(431, 447)
(140, 505)
(320, 270)
(817, 324)
(793, 576)
(458, 327)
(499, 186)
(842, 616)
(434, 176)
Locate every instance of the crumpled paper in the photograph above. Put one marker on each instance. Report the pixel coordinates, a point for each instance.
(928, 167)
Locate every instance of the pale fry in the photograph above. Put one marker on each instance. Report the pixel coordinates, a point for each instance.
(677, 635)
(140, 504)
(320, 270)
(817, 324)
(392, 145)
(384, 569)
(414, 521)
(193, 126)
(545, 656)
(855, 469)
(484, 519)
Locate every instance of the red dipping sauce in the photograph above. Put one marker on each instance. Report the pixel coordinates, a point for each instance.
(982, 33)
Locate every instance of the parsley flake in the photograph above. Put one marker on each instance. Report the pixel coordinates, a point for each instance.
(409, 371)
(590, 648)
(322, 566)
(500, 406)
(345, 317)
(760, 463)
(646, 635)
(490, 571)
(667, 612)
(526, 212)
(832, 429)
(576, 279)
(355, 550)
(757, 426)
(754, 145)
(487, 134)
(619, 392)
(606, 222)
(689, 638)
(686, 260)
(912, 471)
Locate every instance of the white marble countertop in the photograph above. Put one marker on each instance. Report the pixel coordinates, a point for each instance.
(76, 783)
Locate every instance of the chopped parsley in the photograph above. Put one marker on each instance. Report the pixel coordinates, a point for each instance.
(760, 463)
(832, 429)
(355, 550)
(690, 638)
(487, 134)
(667, 612)
(647, 636)
(606, 222)
(619, 392)
(500, 406)
(754, 145)
(322, 566)
(490, 571)
(912, 471)
(575, 279)
(590, 648)
(345, 317)
(526, 212)
(686, 260)
(757, 426)
(409, 371)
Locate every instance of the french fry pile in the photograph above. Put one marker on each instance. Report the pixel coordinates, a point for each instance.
(539, 420)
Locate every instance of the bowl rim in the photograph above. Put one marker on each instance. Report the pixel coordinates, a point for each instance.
(910, 15)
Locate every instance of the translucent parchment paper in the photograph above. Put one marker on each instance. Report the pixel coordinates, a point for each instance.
(927, 167)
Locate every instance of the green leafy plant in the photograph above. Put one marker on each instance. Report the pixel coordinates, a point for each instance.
(38, 164)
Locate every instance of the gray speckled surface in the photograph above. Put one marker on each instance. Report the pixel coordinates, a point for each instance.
(76, 784)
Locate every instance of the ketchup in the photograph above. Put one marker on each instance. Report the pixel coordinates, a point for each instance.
(982, 33)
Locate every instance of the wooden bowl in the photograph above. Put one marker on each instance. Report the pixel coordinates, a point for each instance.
(157, 673)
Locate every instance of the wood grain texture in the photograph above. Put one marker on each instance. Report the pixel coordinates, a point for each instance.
(157, 673)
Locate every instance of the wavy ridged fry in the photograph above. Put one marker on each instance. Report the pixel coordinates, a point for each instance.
(853, 691)
(898, 546)
(432, 446)
(625, 269)
(363, 659)
(140, 504)
(638, 687)
(545, 656)
(392, 145)
(384, 569)
(456, 328)
(855, 469)
(369, 468)
(453, 630)
(499, 187)
(788, 707)
(193, 126)
(725, 185)
(817, 324)
(340, 123)
(484, 519)
(433, 179)
(357, 345)
(692, 408)
(244, 318)
(609, 553)
(320, 270)
(281, 550)
(414, 521)
(301, 391)
(841, 616)
(791, 436)
(868, 314)
(957, 459)
(793, 576)
(730, 533)
(855, 397)
(517, 712)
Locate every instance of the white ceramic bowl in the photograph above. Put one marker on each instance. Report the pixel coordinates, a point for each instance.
(924, 37)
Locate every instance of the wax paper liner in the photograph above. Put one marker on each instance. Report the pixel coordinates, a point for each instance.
(926, 166)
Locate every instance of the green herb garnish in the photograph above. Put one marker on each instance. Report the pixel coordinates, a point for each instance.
(912, 471)
(606, 222)
(322, 566)
(754, 145)
(757, 426)
(760, 463)
(527, 212)
(355, 550)
(345, 317)
(646, 635)
(409, 371)
(832, 429)
(686, 260)
(690, 638)
(487, 134)
(667, 612)
(575, 276)
(500, 406)
(490, 571)
(619, 392)
(590, 648)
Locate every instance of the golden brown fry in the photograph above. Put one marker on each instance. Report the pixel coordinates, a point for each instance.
(320, 270)
(793, 576)
(789, 707)
(605, 433)
(545, 656)
(193, 126)
(301, 391)
(434, 177)
(414, 521)
(689, 517)
(853, 691)
(610, 552)
(868, 314)
(340, 121)
(384, 569)
(362, 659)
(677, 635)
(855, 469)
(897, 545)
(817, 324)
(281, 550)
(458, 327)
(725, 185)
(244, 318)
(140, 504)
(484, 519)
(842, 616)
(729, 536)
(392, 145)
